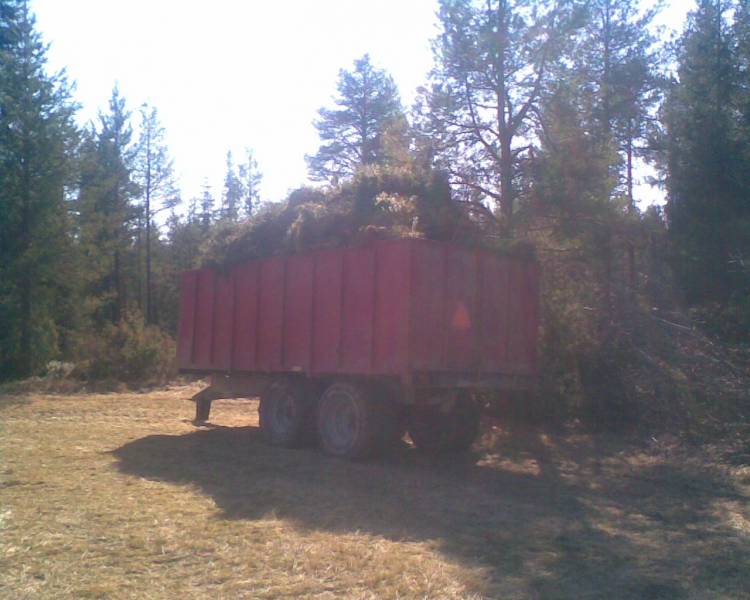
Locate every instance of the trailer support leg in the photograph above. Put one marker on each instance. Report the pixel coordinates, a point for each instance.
(202, 410)
(227, 387)
(203, 401)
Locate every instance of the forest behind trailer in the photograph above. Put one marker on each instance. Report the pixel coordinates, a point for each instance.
(354, 345)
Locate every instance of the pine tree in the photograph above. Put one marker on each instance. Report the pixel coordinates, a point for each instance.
(571, 185)
(492, 61)
(571, 178)
(37, 136)
(611, 72)
(153, 172)
(615, 63)
(351, 134)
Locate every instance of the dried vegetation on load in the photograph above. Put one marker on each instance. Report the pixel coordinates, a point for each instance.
(377, 203)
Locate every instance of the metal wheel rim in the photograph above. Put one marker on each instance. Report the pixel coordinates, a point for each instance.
(340, 424)
(284, 413)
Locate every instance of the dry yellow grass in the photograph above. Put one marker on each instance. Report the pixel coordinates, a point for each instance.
(119, 496)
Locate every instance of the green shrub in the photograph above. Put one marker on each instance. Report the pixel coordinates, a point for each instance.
(129, 351)
(730, 321)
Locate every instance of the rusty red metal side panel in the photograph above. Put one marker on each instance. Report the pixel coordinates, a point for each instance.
(461, 309)
(204, 323)
(271, 314)
(246, 316)
(223, 329)
(531, 316)
(427, 314)
(390, 342)
(516, 327)
(327, 300)
(298, 317)
(357, 310)
(391, 307)
(188, 315)
(494, 313)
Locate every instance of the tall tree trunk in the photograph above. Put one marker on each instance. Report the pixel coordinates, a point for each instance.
(629, 172)
(149, 307)
(631, 209)
(606, 73)
(608, 300)
(139, 262)
(504, 121)
(118, 307)
(506, 184)
(26, 360)
(149, 311)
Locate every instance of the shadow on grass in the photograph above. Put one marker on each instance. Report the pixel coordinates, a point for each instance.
(652, 535)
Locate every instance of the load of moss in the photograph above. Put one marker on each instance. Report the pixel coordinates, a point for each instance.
(377, 203)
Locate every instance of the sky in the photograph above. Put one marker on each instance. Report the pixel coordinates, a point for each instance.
(229, 75)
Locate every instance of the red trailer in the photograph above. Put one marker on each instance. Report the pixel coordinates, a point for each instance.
(353, 345)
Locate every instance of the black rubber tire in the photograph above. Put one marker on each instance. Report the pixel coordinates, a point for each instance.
(286, 414)
(434, 430)
(350, 421)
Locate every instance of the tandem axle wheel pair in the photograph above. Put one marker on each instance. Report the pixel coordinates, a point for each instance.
(357, 420)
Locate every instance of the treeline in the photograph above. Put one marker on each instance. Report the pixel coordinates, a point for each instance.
(536, 124)
(93, 230)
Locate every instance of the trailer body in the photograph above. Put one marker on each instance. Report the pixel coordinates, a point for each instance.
(354, 346)
(409, 308)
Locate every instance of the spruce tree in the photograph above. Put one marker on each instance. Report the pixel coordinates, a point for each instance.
(106, 205)
(153, 172)
(704, 159)
(231, 196)
(250, 179)
(37, 137)
(207, 213)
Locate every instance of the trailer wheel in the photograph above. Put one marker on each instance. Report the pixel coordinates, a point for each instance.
(350, 422)
(285, 411)
(454, 430)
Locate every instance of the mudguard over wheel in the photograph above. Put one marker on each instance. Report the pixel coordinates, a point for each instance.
(441, 429)
(286, 413)
(350, 422)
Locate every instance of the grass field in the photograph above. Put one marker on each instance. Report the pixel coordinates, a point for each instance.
(119, 496)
